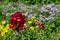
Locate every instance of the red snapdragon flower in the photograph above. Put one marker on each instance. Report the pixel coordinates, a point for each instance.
(41, 27)
(17, 20)
(37, 23)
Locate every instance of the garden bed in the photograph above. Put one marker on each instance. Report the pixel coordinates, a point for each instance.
(21, 21)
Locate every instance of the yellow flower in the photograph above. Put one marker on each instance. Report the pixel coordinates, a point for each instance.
(37, 26)
(7, 26)
(1, 27)
(24, 24)
(29, 22)
(3, 22)
(33, 17)
(35, 20)
(2, 33)
(6, 31)
(32, 28)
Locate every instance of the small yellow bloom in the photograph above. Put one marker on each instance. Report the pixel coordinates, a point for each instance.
(37, 26)
(24, 24)
(6, 31)
(32, 28)
(3, 22)
(35, 20)
(7, 26)
(33, 17)
(29, 22)
(1, 27)
(2, 33)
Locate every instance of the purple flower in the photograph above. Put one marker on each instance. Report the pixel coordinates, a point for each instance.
(41, 17)
(30, 15)
(21, 5)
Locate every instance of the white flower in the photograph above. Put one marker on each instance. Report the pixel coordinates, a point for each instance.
(50, 5)
(34, 14)
(49, 18)
(14, 8)
(7, 14)
(3, 13)
(9, 4)
(26, 14)
(52, 14)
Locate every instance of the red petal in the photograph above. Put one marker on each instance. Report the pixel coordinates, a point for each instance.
(42, 27)
(13, 25)
(18, 14)
(13, 21)
(12, 16)
(21, 27)
(22, 22)
(24, 16)
(37, 23)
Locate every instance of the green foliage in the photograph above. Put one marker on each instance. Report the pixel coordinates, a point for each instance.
(52, 27)
(34, 1)
(40, 1)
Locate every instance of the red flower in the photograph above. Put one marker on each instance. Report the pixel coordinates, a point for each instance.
(42, 27)
(12, 16)
(18, 14)
(37, 23)
(13, 25)
(13, 21)
(21, 27)
(17, 19)
(24, 16)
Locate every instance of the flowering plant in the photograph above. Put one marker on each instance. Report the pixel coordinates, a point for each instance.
(17, 20)
(33, 22)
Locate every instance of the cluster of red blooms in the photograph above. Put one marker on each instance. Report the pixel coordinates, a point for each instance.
(17, 20)
(41, 26)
